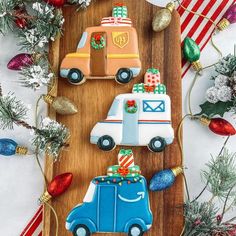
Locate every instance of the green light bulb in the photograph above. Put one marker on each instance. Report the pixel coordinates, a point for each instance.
(191, 52)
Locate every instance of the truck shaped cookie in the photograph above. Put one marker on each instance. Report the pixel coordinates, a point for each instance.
(109, 51)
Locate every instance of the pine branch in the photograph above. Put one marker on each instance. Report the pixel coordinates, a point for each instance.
(11, 110)
(221, 174)
(52, 138)
(37, 75)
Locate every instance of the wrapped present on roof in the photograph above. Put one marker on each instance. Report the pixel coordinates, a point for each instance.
(119, 17)
(147, 88)
(120, 10)
(152, 83)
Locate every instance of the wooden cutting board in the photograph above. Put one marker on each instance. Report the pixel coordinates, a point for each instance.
(84, 160)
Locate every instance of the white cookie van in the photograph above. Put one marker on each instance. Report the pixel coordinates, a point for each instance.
(136, 119)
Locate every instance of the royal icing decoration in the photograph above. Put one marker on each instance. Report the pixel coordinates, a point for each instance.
(117, 203)
(140, 118)
(98, 42)
(152, 77)
(105, 52)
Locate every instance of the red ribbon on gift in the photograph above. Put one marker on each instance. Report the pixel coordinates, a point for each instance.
(123, 171)
(149, 88)
(119, 4)
(97, 37)
(131, 103)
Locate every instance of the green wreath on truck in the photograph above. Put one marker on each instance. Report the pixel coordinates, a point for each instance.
(98, 42)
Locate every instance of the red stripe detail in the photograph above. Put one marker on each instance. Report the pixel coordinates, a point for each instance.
(209, 24)
(129, 163)
(191, 15)
(200, 18)
(40, 210)
(124, 162)
(185, 3)
(183, 74)
(113, 120)
(35, 225)
(40, 234)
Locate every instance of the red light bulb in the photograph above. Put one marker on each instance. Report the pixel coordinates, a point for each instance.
(57, 186)
(56, 3)
(219, 126)
(228, 18)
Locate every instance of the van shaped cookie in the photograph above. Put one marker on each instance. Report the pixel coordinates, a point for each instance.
(141, 118)
(109, 51)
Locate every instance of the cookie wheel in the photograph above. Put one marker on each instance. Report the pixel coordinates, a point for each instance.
(135, 230)
(106, 143)
(81, 230)
(157, 144)
(75, 76)
(124, 76)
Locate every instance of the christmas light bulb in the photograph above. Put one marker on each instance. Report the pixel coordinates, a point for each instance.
(9, 147)
(164, 179)
(19, 61)
(228, 18)
(57, 187)
(218, 126)
(56, 3)
(191, 52)
(163, 17)
(61, 105)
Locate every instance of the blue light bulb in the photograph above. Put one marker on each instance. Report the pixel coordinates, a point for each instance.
(164, 179)
(9, 147)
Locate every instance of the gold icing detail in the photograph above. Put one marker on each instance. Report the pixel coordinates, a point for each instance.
(78, 55)
(21, 150)
(170, 6)
(223, 24)
(177, 170)
(205, 120)
(120, 39)
(197, 65)
(45, 197)
(122, 56)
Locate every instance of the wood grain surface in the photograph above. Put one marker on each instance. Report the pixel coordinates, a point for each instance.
(84, 160)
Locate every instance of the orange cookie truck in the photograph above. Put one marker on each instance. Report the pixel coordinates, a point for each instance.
(105, 52)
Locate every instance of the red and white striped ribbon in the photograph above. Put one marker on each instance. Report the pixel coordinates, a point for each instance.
(192, 26)
(196, 27)
(35, 226)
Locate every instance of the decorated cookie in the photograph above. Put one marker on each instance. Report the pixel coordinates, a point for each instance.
(140, 118)
(152, 76)
(117, 203)
(105, 52)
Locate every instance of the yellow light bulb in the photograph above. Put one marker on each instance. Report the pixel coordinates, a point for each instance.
(163, 17)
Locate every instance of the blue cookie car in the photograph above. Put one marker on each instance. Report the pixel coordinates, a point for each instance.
(112, 207)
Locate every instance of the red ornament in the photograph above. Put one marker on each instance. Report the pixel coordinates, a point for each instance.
(21, 23)
(218, 126)
(221, 127)
(57, 187)
(56, 3)
(19, 61)
(59, 184)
